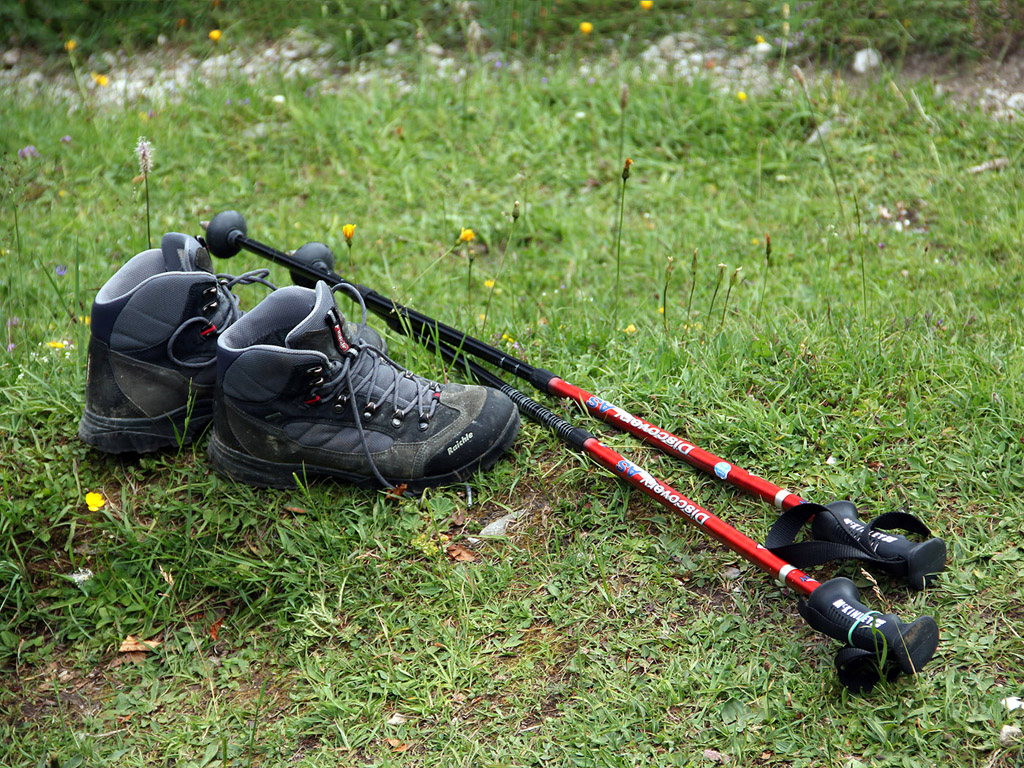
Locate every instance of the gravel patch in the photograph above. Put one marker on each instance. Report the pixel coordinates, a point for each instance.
(164, 75)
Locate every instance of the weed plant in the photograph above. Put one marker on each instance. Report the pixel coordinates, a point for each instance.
(327, 626)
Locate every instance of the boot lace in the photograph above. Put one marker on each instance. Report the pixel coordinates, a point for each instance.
(367, 380)
(213, 317)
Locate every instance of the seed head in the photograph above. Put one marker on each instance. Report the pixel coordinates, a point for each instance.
(624, 97)
(515, 210)
(625, 169)
(144, 151)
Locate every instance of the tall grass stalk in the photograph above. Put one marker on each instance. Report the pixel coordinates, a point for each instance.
(693, 284)
(664, 294)
(718, 284)
(501, 263)
(733, 279)
(799, 75)
(767, 266)
(618, 240)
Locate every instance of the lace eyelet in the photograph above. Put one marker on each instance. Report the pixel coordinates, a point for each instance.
(315, 369)
(424, 425)
(371, 408)
(396, 420)
(211, 306)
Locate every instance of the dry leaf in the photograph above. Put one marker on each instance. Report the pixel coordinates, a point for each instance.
(133, 644)
(295, 510)
(398, 491)
(460, 554)
(397, 719)
(715, 756)
(459, 517)
(397, 745)
(215, 628)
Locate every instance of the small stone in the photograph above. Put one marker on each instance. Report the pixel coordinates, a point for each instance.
(393, 48)
(732, 573)
(762, 50)
(821, 132)
(1009, 735)
(715, 756)
(500, 526)
(11, 57)
(866, 60)
(1015, 101)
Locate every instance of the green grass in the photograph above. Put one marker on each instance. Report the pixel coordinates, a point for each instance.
(603, 632)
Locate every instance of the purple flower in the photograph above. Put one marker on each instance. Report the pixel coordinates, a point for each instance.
(245, 101)
(10, 347)
(65, 139)
(227, 103)
(151, 113)
(62, 269)
(543, 79)
(497, 65)
(591, 80)
(27, 152)
(13, 322)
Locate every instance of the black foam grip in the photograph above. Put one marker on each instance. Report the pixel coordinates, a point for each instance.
(834, 609)
(533, 410)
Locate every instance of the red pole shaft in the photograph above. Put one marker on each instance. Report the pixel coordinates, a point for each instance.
(784, 573)
(664, 440)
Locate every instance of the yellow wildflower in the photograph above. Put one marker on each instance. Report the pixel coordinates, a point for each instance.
(101, 80)
(215, 35)
(56, 344)
(70, 45)
(348, 230)
(466, 235)
(62, 193)
(647, 4)
(630, 328)
(759, 39)
(488, 283)
(741, 95)
(95, 501)
(661, 310)
(586, 27)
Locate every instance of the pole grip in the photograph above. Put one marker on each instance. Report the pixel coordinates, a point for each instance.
(575, 436)
(916, 562)
(834, 609)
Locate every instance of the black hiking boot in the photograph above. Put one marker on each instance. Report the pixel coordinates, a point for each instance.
(300, 396)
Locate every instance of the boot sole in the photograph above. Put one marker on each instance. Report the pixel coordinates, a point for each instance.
(145, 435)
(248, 469)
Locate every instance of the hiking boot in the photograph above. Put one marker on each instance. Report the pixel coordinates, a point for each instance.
(153, 348)
(298, 396)
(152, 352)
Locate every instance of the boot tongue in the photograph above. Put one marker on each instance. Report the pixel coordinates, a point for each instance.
(323, 328)
(183, 253)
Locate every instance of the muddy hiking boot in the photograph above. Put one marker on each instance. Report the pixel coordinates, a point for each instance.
(152, 352)
(299, 396)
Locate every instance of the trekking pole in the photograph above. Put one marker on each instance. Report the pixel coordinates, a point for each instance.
(836, 526)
